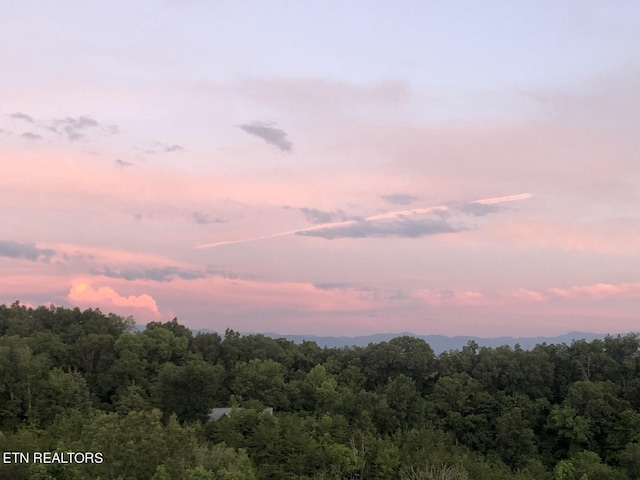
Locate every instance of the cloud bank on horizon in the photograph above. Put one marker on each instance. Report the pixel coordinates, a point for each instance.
(381, 194)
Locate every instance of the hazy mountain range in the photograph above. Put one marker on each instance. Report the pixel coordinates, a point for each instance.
(439, 343)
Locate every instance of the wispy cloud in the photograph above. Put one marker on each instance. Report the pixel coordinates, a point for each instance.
(376, 226)
(217, 272)
(373, 293)
(156, 274)
(269, 134)
(22, 116)
(111, 129)
(400, 198)
(173, 148)
(316, 216)
(204, 218)
(401, 227)
(507, 198)
(122, 163)
(27, 251)
(479, 209)
(167, 148)
(457, 297)
(332, 285)
(164, 274)
(523, 294)
(73, 128)
(31, 136)
(599, 291)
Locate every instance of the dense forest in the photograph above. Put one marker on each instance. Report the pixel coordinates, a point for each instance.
(84, 381)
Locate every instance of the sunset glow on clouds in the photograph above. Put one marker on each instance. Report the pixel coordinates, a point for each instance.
(108, 298)
(313, 174)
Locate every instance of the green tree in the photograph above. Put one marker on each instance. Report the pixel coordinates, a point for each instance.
(131, 365)
(208, 345)
(318, 390)
(261, 380)
(132, 445)
(61, 392)
(405, 355)
(190, 391)
(588, 465)
(22, 376)
(93, 355)
(199, 473)
(162, 345)
(571, 431)
(515, 440)
(599, 403)
(227, 463)
(161, 473)
(460, 405)
(408, 408)
(439, 472)
(630, 459)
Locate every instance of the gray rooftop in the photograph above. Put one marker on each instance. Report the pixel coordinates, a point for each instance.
(218, 413)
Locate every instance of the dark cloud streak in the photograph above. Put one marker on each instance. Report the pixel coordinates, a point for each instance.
(27, 251)
(72, 127)
(332, 286)
(400, 227)
(399, 198)
(166, 148)
(269, 134)
(173, 148)
(31, 136)
(479, 209)
(163, 274)
(319, 217)
(156, 274)
(204, 219)
(22, 116)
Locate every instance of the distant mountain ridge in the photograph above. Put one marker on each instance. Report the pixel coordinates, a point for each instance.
(442, 343)
(439, 343)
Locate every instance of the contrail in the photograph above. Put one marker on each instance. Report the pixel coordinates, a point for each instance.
(508, 198)
(382, 216)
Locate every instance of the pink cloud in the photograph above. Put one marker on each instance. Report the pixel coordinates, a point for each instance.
(525, 295)
(106, 298)
(451, 297)
(107, 255)
(599, 291)
(243, 295)
(499, 299)
(605, 236)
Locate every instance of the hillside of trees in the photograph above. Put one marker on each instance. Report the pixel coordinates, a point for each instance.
(85, 381)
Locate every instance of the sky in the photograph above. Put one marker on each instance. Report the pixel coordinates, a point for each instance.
(324, 167)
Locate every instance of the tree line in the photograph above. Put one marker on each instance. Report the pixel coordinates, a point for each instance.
(85, 381)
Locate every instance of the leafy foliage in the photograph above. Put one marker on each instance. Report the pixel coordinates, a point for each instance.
(73, 380)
